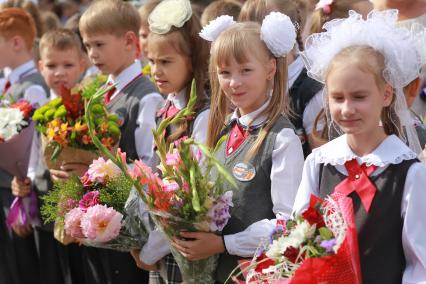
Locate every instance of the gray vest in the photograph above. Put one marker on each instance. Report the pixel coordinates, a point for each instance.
(252, 199)
(16, 92)
(380, 230)
(126, 106)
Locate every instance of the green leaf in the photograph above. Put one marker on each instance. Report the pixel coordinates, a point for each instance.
(195, 199)
(56, 151)
(325, 233)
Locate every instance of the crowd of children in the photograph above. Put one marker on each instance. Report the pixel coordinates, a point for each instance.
(306, 95)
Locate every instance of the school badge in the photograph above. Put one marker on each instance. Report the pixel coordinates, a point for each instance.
(244, 172)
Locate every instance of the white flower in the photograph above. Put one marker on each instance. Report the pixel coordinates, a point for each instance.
(169, 13)
(11, 122)
(296, 238)
(278, 33)
(215, 27)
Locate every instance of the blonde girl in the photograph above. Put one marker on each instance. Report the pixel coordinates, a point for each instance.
(248, 72)
(365, 64)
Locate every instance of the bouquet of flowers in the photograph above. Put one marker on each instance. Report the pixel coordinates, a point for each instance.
(16, 136)
(63, 125)
(318, 246)
(96, 209)
(186, 197)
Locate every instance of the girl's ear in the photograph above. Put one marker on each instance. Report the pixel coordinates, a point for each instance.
(388, 95)
(271, 69)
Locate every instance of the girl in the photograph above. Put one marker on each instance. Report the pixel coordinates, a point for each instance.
(304, 92)
(365, 71)
(261, 149)
(176, 55)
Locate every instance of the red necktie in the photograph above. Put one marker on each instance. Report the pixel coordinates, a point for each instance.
(171, 111)
(111, 92)
(6, 86)
(237, 136)
(358, 181)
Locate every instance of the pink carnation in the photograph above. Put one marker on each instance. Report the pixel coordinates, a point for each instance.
(101, 224)
(89, 199)
(73, 223)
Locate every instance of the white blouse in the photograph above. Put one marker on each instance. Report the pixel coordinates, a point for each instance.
(391, 151)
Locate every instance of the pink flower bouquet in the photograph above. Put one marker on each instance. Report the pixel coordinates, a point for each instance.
(96, 209)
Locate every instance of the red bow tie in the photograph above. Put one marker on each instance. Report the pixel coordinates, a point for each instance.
(237, 136)
(171, 111)
(358, 181)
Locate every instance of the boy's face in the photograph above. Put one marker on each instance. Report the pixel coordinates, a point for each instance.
(61, 67)
(6, 52)
(108, 52)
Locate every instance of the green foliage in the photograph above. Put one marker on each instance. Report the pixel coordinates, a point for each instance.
(116, 192)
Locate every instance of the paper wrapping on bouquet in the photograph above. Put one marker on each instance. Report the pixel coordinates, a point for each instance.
(134, 227)
(343, 267)
(60, 235)
(68, 155)
(193, 272)
(15, 153)
(23, 211)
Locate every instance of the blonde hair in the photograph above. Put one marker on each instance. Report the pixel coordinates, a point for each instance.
(111, 17)
(60, 39)
(339, 9)
(370, 61)
(236, 43)
(219, 8)
(187, 42)
(257, 10)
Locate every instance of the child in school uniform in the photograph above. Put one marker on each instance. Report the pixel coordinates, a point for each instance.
(177, 55)
(17, 33)
(248, 70)
(110, 34)
(304, 93)
(365, 64)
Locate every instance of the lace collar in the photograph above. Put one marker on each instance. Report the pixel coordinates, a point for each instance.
(391, 151)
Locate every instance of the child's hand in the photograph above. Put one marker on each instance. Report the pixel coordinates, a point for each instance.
(22, 230)
(140, 263)
(67, 170)
(201, 246)
(21, 188)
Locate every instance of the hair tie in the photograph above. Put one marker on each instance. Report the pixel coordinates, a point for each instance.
(278, 33)
(215, 27)
(168, 14)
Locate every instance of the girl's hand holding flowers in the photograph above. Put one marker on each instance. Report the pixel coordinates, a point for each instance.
(200, 245)
(21, 188)
(142, 265)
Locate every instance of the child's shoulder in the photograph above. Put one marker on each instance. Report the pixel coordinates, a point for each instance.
(336, 152)
(140, 86)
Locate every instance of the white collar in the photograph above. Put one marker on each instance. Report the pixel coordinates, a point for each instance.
(126, 76)
(294, 70)
(391, 151)
(25, 69)
(247, 119)
(178, 99)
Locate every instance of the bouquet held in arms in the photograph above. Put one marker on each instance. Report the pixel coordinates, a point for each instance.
(318, 246)
(16, 136)
(185, 197)
(63, 125)
(95, 209)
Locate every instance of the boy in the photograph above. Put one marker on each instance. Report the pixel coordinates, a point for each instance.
(18, 261)
(110, 34)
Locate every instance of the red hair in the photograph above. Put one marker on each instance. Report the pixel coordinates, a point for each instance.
(17, 22)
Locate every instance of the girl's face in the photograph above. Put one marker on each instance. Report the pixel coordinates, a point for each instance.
(247, 84)
(355, 99)
(171, 69)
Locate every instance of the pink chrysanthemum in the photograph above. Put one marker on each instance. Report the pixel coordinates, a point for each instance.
(101, 224)
(73, 223)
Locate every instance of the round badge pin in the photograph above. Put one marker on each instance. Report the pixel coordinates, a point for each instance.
(244, 172)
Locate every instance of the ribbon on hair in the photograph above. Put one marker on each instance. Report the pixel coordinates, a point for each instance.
(23, 211)
(325, 5)
(358, 181)
(214, 28)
